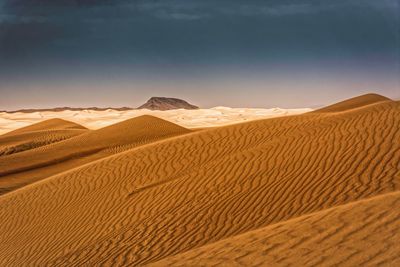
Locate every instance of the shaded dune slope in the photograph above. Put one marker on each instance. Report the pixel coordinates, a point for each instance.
(363, 233)
(355, 102)
(22, 168)
(159, 200)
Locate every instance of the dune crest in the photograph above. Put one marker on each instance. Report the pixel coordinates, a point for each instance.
(47, 125)
(355, 102)
(155, 201)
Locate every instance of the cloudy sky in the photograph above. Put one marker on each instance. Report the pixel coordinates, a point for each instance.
(242, 53)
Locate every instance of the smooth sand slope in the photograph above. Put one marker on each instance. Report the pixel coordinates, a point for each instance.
(363, 233)
(19, 169)
(175, 195)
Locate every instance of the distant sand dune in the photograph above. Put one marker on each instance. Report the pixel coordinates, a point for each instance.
(96, 119)
(51, 124)
(172, 196)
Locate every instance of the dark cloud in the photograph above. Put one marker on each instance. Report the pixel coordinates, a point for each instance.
(187, 7)
(55, 3)
(195, 32)
(61, 42)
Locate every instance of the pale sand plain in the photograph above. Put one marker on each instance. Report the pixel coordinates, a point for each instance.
(320, 188)
(200, 118)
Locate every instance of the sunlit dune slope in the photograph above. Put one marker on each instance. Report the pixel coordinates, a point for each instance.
(22, 168)
(51, 124)
(162, 199)
(355, 102)
(363, 233)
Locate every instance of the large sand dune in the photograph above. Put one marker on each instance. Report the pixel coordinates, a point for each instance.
(289, 181)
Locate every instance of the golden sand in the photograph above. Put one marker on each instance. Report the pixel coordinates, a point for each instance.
(319, 188)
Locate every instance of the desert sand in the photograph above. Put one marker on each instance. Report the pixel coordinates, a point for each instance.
(96, 119)
(319, 188)
(53, 156)
(332, 237)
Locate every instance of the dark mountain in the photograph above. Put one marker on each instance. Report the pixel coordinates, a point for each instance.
(166, 103)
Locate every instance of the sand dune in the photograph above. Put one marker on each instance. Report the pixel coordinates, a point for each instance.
(40, 134)
(22, 168)
(172, 196)
(355, 102)
(363, 233)
(48, 125)
(37, 135)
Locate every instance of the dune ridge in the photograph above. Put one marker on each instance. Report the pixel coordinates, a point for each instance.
(47, 125)
(155, 201)
(355, 102)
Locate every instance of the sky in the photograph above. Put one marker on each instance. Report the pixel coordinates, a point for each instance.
(238, 53)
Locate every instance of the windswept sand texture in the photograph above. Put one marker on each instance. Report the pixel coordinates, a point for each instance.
(363, 233)
(310, 189)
